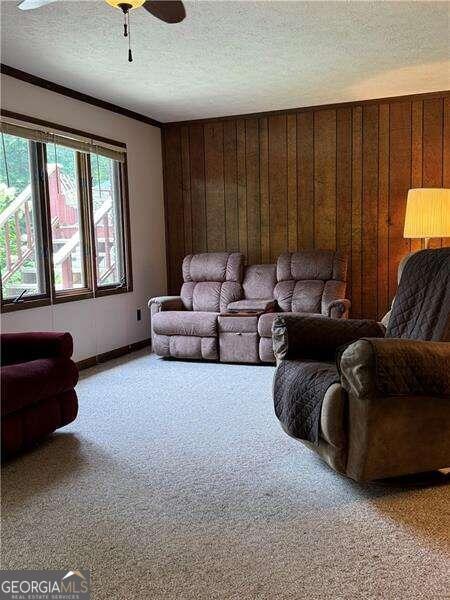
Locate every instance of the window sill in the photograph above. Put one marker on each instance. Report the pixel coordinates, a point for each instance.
(111, 291)
(9, 306)
(71, 296)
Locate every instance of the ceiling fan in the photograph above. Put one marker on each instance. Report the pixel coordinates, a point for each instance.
(169, 11)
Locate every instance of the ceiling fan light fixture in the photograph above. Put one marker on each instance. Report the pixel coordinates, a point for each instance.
(127, 5)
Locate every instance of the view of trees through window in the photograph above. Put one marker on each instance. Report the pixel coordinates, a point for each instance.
(21, 242)
(20, 259)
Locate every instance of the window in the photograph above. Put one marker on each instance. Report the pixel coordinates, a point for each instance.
(21, 258)
(105, 190)
(63, 217)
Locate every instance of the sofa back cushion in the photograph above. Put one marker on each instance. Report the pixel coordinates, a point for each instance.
(211, 280)
(309, 279)
(259, 282)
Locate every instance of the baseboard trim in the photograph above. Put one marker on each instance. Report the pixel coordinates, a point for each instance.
(105, 356)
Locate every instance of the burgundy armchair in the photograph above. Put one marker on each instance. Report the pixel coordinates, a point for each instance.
(38, 379)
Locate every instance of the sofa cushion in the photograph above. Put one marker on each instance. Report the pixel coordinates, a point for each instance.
(187, 323)
(304, 280)
(211, 280)
(259, 281)
(312, 264)
(265, 322)
(213, 266)
(300, 296)
(211, 296)
(24, 384)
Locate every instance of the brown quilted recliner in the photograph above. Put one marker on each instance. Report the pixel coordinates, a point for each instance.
(373, 402)
(185, 326)
(309, 282)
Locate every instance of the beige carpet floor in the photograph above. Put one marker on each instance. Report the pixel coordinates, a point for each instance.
(176, 482)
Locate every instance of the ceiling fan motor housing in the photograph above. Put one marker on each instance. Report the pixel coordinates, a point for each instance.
(125, 6)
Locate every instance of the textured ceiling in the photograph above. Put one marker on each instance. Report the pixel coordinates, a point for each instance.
(234, 57)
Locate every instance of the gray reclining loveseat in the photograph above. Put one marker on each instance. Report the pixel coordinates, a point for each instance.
(225, 311)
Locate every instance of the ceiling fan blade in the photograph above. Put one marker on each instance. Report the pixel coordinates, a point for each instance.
(30, 4)
(169, 11)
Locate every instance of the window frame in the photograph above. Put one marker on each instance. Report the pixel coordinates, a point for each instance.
(125, 241)
(38, 183)
(51, 296)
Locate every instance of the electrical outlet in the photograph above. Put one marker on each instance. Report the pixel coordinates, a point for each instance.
(138, 314)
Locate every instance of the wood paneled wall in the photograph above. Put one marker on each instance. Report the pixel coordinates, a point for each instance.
(334, 177)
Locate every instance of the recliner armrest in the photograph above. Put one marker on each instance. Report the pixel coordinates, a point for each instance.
(338, 309)
(165, 303)
(396, 367)
(24, 347)
(318, 337)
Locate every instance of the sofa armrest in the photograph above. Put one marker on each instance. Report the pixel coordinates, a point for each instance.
(256, 305)
(165, 303)
(396, 367)
(23, 347)
(296, 336)
(338, 309)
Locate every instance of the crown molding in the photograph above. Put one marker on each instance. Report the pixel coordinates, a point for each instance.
(81, 97)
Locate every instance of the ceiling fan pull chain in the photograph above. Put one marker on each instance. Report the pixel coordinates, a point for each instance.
(125, 26)
(130, 55)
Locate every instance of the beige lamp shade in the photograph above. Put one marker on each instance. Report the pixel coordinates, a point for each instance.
(427, 213)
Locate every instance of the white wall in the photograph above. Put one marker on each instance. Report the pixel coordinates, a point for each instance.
(102, 324)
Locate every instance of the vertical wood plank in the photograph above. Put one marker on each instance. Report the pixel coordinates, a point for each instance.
(399, 184)
(264, 189)
(166, 210)
(344, 186)
(383, 211)
(369, 212)
(252, 184)
(242, 188)
(416, 156)
(446, 155)
(185, 161)
(231, 195)
(174, 203)
(356, 211)
(215, 192)
(277, 185)
(305, 180)
(292, 181)
(432, 148)
(198, 200)
(325, 179)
